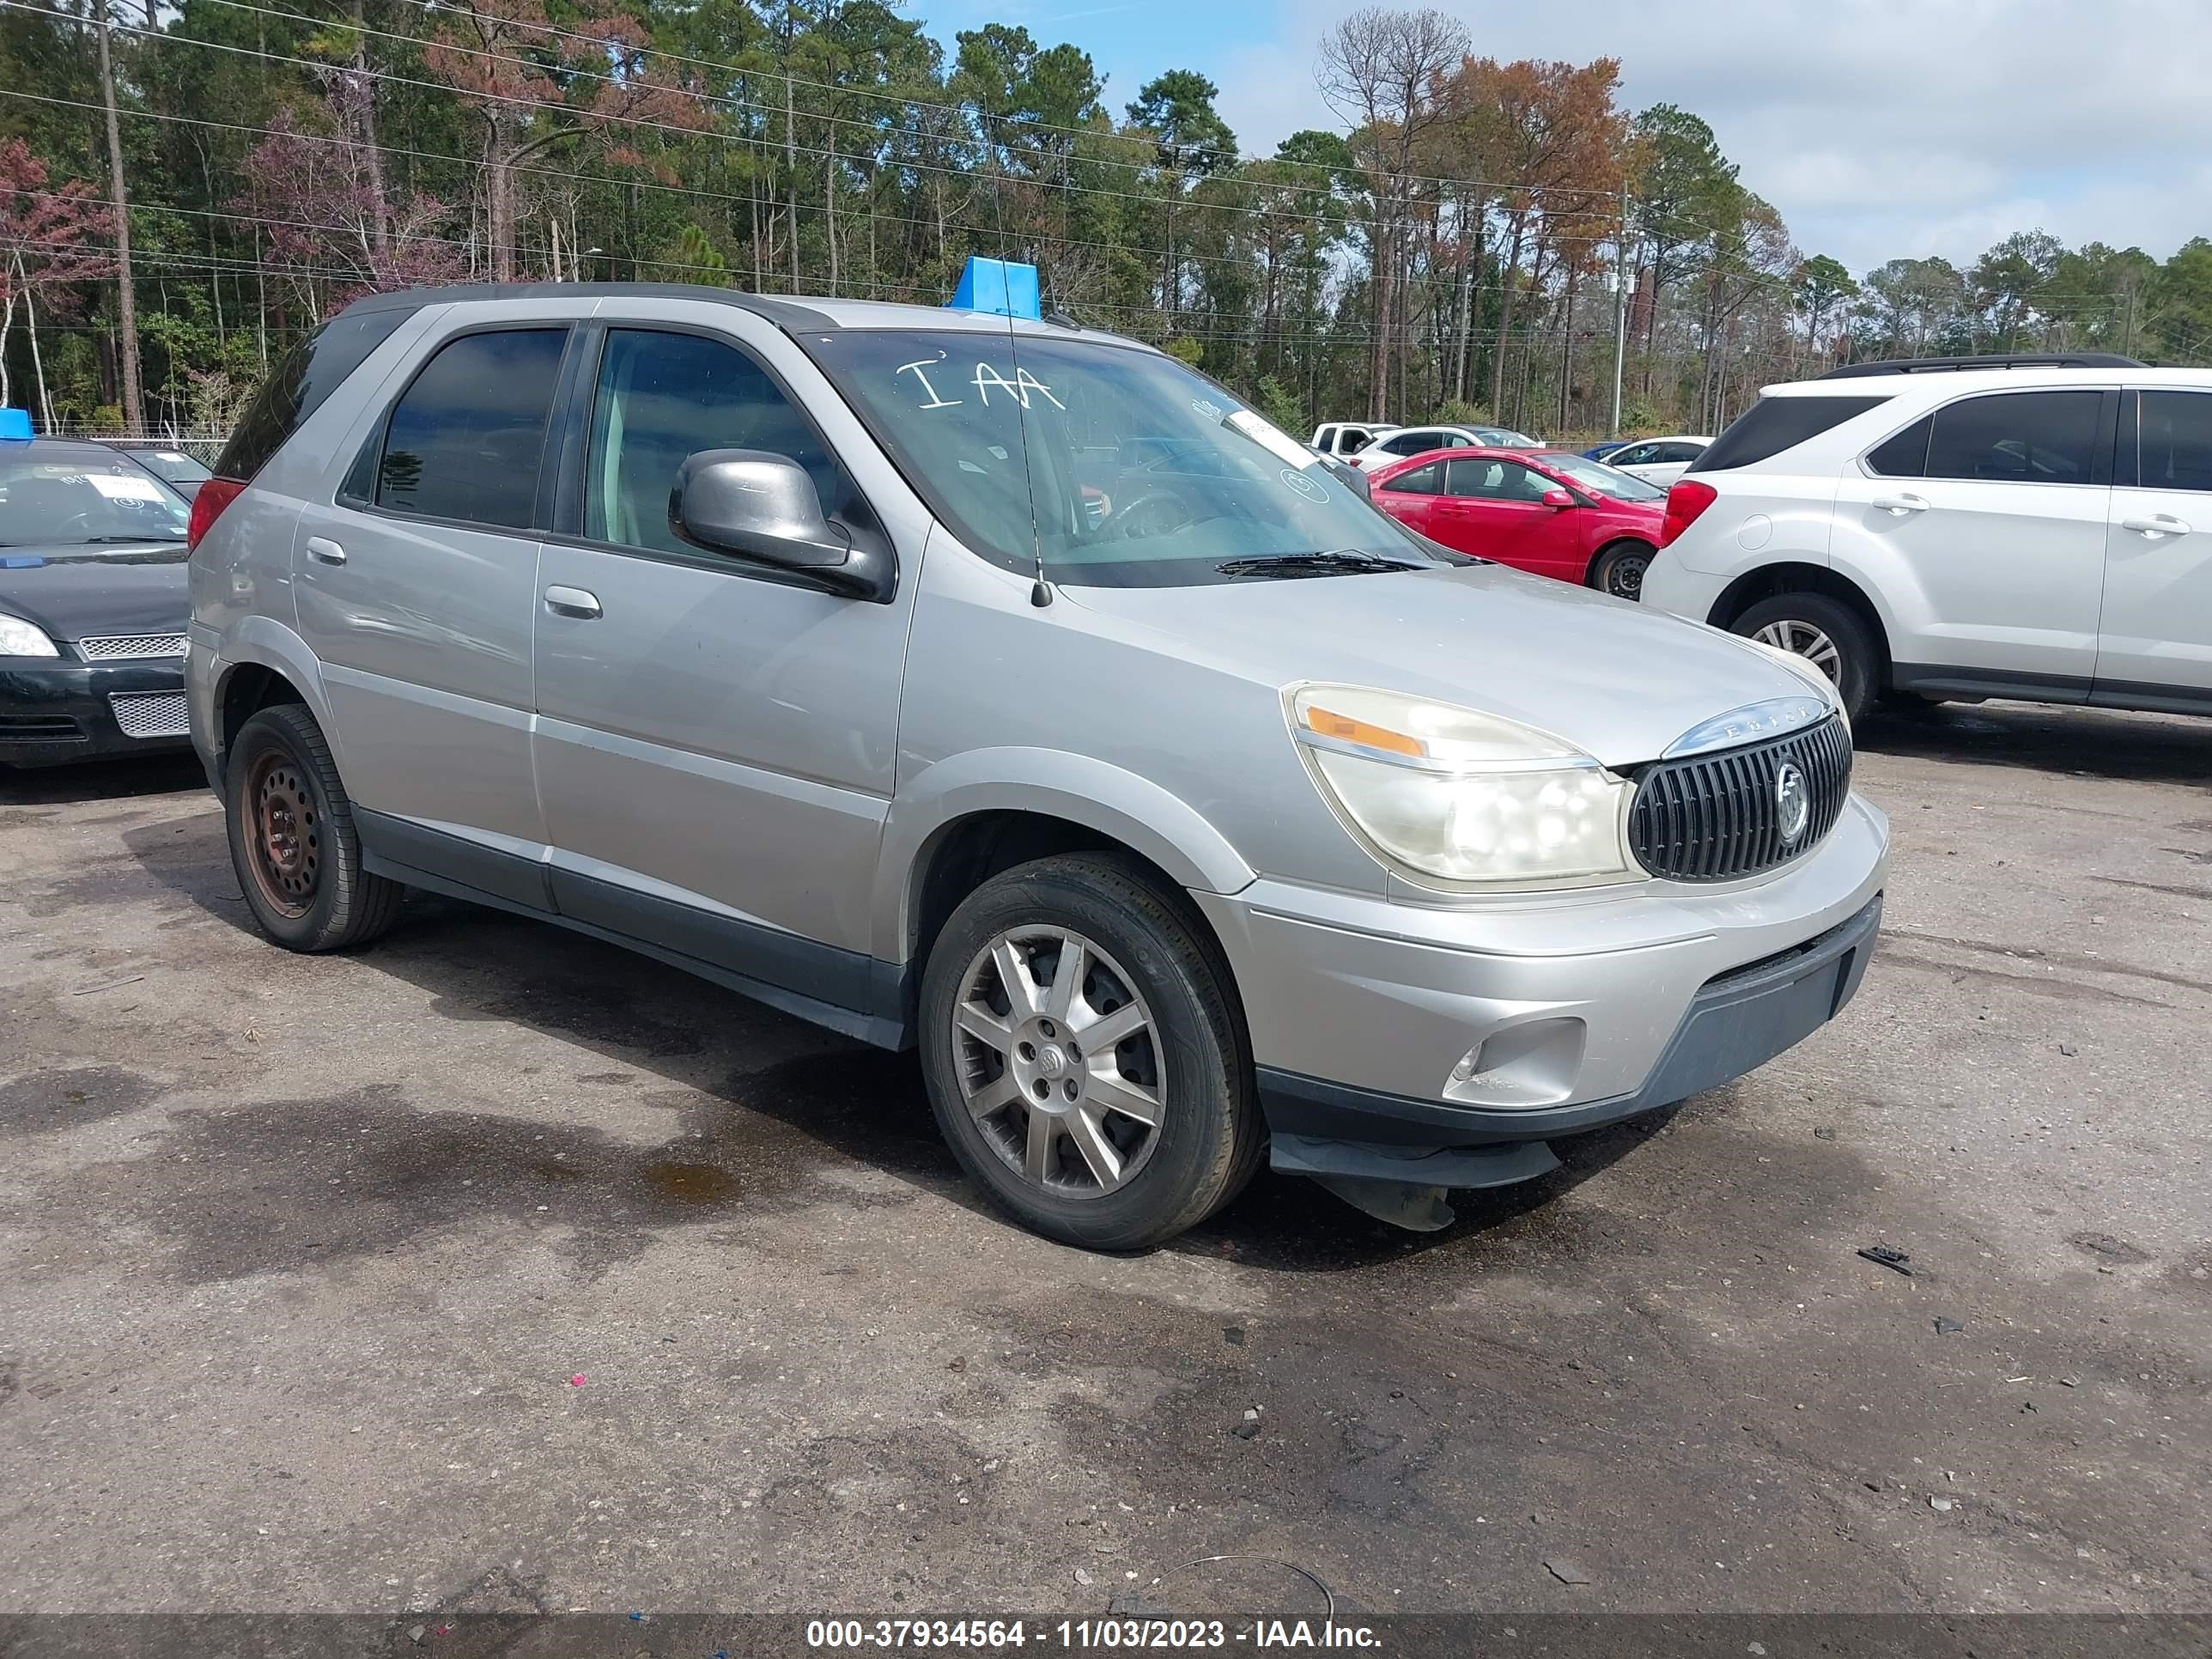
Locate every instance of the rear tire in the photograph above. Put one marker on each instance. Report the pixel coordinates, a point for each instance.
(292, 838)
(1827, 633)
(1618, 570)
(1052, 1125)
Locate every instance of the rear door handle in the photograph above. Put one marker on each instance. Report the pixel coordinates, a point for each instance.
(2158, 524)
(1901, 503)
(572, 602)
(323, 548)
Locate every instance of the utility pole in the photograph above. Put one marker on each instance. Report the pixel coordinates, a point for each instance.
(1620, 310)
(134, 416)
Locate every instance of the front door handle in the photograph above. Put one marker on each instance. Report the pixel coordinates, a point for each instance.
(323, 548)
(572, 602)
(1901, 503)
(2158, 524)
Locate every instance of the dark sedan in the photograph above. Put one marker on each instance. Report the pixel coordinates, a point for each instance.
(179, 468)
(93, 604)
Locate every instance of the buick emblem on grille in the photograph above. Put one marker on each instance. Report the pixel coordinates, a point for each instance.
(1793, 803)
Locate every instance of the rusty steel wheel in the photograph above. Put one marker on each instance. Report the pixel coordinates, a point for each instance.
(293, 839)
(285, 834)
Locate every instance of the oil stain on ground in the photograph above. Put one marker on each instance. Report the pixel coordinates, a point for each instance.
(65, 1098)
(291, 1186)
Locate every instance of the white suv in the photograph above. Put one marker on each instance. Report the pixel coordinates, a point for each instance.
(1963, 528)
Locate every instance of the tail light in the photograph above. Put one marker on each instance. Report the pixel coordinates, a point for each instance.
(1685, 501)
(213, 496)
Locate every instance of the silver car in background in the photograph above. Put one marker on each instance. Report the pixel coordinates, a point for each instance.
(1013, 692)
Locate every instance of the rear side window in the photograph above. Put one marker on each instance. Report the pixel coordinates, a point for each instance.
(2017, 437)
(1906, 455)
(302, 377)
(1412, 443)
(466, 437)
(2174, 441)
(1774, 424)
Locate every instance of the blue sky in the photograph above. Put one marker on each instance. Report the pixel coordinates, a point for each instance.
(1879, 128)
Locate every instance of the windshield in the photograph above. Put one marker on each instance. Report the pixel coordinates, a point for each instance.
(1139, 472)
(1603, 479)
(46, 499)
(174, 466)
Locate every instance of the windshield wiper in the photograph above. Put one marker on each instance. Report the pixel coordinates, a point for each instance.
(1345, 561)
(104, 541)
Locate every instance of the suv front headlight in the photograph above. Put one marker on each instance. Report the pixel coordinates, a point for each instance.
(20, 639)
(1459, 797)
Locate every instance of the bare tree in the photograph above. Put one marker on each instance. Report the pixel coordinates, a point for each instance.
(1378, 71)
(126, 308)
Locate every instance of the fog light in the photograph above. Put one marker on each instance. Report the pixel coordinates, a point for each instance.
(1534, 1063)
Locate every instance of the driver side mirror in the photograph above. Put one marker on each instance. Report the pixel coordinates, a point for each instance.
(764, 506)
(1559, 498)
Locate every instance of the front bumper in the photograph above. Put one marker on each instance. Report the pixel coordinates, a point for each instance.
(55, 710)
(1432, 1046)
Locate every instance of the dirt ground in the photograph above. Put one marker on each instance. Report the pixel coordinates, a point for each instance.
(495, 1267)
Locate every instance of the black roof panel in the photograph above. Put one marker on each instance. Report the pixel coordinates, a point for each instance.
(784, 314)
(1997, 360)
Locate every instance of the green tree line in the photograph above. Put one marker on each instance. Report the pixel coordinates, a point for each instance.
(1468, 239)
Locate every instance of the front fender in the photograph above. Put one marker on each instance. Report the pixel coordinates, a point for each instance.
(1052, 783)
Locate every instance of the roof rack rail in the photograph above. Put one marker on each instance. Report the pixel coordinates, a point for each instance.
(1997, 360)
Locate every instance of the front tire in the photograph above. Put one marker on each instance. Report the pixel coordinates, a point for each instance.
(292, 838)
(1827, 633)
(1085, 1055)
(1618, 570)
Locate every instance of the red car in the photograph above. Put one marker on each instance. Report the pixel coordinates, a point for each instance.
(1543, 510)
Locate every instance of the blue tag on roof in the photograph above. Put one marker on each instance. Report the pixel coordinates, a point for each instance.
(15, 424)
(1001, 287)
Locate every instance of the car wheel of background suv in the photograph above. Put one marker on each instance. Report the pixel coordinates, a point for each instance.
(1825, 632)
(1085, 1055)
(292, 838)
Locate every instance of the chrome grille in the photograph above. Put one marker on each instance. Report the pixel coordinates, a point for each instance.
(1716, 817)
(151, 713)
(131, 645)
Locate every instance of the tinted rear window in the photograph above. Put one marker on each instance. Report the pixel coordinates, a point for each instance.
(2017, 437)
(467, 436)
(302, 377)
(1774, 424)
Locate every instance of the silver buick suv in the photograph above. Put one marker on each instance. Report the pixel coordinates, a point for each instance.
(1013, 692)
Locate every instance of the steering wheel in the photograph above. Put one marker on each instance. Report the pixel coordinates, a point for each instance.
(1162, 512)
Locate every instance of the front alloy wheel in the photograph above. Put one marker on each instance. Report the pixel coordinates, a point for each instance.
(1058, 1061)
(1085, 1054)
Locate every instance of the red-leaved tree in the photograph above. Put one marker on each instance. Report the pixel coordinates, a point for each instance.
(531, 88)
(332, 228)
(50, 241)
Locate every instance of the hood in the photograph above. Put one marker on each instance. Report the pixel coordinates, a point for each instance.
(77, 592)
(1619, 682)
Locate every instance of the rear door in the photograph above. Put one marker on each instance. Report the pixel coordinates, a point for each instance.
(2154, 640)
(1668, 462)
(1411, 498)
(417, 588)
(1983, 526)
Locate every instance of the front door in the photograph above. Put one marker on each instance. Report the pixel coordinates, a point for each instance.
(716, 740)
(416, 590)
(1983, 524)
(1497, 509)
(2154, 641)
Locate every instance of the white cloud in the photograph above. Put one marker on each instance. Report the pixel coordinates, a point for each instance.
(1878, 127)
